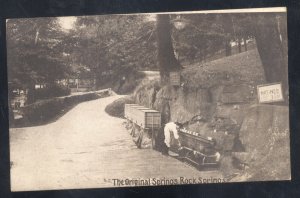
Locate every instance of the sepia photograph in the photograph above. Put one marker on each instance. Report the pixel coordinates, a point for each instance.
(148, 99)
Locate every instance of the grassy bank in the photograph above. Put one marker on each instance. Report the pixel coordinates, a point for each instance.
(116, 108)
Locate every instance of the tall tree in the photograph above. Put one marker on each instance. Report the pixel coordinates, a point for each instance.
(166, 56)
(270, 34)
(34, 54)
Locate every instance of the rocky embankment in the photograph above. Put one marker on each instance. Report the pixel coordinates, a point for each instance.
(219, 100)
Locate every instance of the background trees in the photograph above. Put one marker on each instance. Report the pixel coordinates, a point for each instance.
(108, 48)
(113, 46)
(35, 54)
(197, 37)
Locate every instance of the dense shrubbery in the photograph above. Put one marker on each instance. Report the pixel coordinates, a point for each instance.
(116, 108)
(44, 109)
(51, 91)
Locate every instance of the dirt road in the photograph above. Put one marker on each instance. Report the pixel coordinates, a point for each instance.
(86, 148)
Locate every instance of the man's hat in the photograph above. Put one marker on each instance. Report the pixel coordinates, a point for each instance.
(180, 125)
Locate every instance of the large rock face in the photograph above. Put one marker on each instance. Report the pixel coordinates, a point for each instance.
(263, 130)
(223, 93)
(264, 124)
(182, 104)
(265, 136)
(189, 102)
(233, 94)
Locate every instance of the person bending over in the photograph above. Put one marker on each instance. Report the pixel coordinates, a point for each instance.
(171, 127)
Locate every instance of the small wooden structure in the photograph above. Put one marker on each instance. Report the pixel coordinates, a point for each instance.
(143, 116)
(129, 110)
(142, 120)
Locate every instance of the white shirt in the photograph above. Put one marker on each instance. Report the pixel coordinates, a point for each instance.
(170, 127)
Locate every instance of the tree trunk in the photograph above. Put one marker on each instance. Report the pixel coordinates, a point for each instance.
(227, 47)
(166, 56)
(31, 94)
(240, 45)
(245, 44)
(271, 52)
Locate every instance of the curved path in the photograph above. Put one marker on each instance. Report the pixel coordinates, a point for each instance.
(86, 148)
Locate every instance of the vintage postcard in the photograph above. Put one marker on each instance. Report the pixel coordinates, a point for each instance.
(148, 99)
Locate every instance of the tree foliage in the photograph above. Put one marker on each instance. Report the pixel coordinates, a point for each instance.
(35, 52)
(197, 36)
(112, 47)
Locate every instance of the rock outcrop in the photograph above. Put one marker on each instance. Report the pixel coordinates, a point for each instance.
(223, 104)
